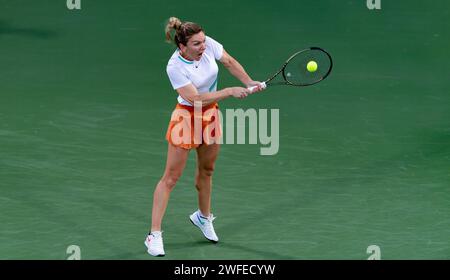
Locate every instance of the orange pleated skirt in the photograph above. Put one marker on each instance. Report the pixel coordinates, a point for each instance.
(191, 127)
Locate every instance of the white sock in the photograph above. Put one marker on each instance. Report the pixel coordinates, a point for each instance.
(156, 233)
(201, 214)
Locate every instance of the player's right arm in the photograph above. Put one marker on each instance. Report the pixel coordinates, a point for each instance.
(191, 95)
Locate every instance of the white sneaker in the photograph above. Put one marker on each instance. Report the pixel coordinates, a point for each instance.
(154, 243)
(205, 225)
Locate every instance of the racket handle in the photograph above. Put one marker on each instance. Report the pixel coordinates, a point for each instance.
(251, 89)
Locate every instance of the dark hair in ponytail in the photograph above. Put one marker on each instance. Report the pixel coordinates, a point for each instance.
(183, 31)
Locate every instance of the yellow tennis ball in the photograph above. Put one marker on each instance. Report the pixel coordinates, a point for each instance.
(311, 66)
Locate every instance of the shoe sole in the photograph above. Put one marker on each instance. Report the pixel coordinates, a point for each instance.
(160, 255)
(213, 241)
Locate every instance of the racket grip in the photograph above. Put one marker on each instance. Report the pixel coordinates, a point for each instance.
(251, 89)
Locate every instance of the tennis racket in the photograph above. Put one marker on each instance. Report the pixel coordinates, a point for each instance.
(295, 70)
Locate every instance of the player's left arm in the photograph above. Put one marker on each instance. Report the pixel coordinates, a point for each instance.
(237, 70)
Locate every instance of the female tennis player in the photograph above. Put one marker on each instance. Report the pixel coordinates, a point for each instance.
(192, 71)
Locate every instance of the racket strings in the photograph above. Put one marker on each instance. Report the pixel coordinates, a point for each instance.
(296, 71)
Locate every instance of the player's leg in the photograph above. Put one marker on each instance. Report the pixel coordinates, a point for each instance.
(206, 158)
(176, 161)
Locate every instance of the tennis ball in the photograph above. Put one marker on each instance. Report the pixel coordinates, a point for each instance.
(311, 66)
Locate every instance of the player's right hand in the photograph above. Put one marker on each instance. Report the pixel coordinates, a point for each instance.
(256, 86)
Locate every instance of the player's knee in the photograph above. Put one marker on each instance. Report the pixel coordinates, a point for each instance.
(171, 180)
(206, 171)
